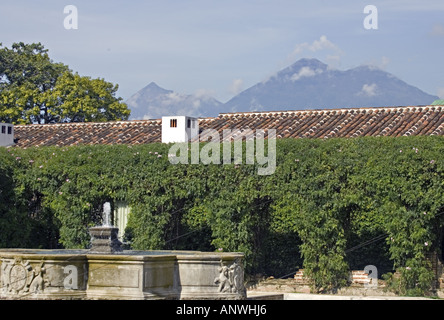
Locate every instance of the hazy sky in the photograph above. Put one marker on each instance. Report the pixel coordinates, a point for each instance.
(221, 47)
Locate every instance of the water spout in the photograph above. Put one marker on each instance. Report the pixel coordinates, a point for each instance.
(106, 215)
(104, 238)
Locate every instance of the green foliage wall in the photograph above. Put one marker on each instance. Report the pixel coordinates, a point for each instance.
(331, 205)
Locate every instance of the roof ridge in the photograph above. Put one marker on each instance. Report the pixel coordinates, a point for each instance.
(89, 123)
(326, 110)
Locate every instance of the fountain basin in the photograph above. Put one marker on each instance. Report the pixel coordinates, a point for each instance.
(82, 274)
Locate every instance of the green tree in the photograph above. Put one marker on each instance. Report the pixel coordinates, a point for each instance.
(82, 99)
(34, 89)
(14, 224)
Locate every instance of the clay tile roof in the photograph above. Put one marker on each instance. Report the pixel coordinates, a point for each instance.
(65, 134)
(353, 122)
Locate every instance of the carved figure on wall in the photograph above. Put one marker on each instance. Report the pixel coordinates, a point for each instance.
(231, 278)
(19, 277)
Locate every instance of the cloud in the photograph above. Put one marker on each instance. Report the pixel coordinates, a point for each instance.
(381, 63)
(438, 30)
(333, 61)
(305, 72)
(236, 86)
(255, 105)
(368, 90)
(147, 117)
(322, 44)
(204, 94)
(173, 98)
(384, 62)
(322, 48)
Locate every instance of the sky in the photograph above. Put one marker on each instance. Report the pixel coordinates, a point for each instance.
(220, 48)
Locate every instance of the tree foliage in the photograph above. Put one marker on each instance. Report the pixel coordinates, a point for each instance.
(34, 89)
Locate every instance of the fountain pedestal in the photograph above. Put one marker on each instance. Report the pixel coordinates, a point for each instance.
(104, 239)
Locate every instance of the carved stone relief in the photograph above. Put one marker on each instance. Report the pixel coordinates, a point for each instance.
(231, 278)
(19, 277)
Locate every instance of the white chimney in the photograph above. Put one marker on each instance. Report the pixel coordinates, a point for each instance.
(6, 134)
(179, 128)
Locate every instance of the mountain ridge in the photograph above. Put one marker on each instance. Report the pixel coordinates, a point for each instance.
(153, 102)
(305, 84)
(309, 83)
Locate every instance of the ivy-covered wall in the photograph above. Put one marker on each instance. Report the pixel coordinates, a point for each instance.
(331, 205)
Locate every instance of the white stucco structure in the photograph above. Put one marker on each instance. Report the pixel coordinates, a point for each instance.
(179, 128)
(6, 134)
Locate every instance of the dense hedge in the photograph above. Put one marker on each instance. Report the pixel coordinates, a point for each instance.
(331, 205)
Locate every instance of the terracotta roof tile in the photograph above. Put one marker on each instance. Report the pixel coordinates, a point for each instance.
(329, 123)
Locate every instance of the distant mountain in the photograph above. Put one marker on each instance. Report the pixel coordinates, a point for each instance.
(153, 102)
(309, 84)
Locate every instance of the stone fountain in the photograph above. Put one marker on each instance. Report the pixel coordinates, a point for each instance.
(105, 271)
(104, 238)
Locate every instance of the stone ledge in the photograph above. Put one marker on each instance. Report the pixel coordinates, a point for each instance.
(264, 296)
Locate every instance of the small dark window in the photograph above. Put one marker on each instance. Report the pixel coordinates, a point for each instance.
(173, 123)
(9, 130)
(188, 123)
(3, 129)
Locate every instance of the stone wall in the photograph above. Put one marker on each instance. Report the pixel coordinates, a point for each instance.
(301, 284)
(356, 277)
